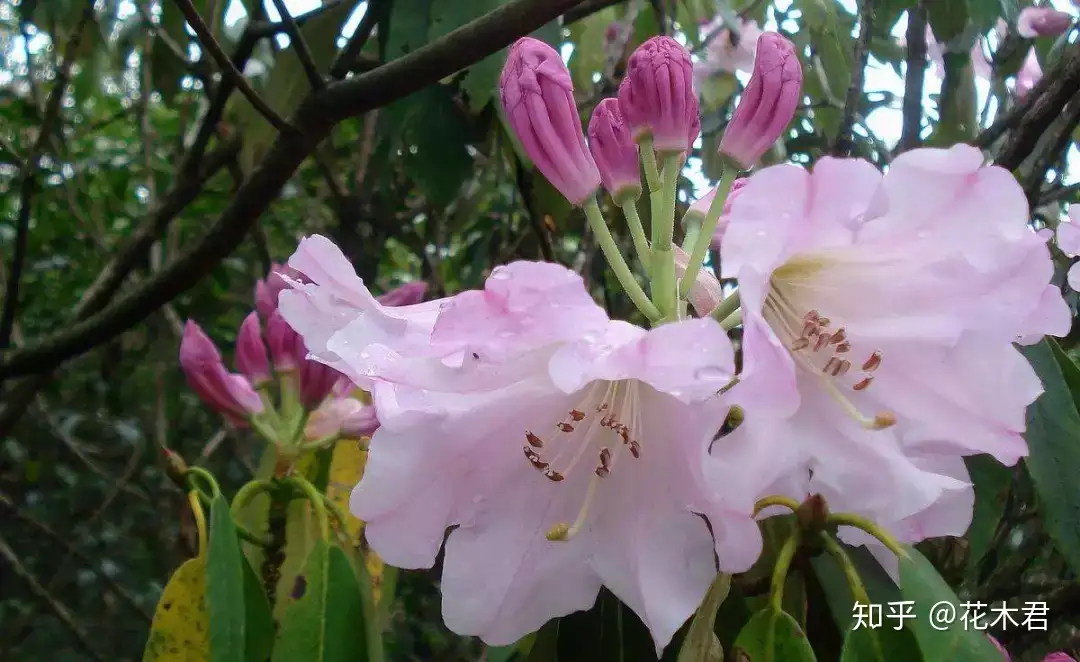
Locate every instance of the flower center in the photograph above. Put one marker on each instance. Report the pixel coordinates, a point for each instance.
(602, 427)
(820, 345)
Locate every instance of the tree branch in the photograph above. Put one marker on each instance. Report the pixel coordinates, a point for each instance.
(376, 10)
(30, 177)
(843, 143)
(587, 9)
(1056, 151)
(228, 69)
(317, 114)
(303, 51)
(914, 75)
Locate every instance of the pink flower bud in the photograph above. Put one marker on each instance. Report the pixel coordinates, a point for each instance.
(657, 95)
(614, 150)
(538, 98)
(230, 395)
(404, 295)
(251, 352)
(283, 343)
(1042, 22)
(347, 417)
(265, 301)
(316, 382)
(1058, 657)
(706, 292)
(767, 104)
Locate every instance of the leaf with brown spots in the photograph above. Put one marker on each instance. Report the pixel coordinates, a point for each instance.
(179, 632)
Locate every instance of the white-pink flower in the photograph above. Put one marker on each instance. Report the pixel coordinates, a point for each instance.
(563, 451)
(722, 55)
(1068, 240)
(881, 312)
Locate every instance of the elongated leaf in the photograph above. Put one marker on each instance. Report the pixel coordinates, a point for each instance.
(259, 633)
(1053, 435)
(545, 648)
(701, 643)
(324, 618)
(991, 481)
(789, 644)
(225, 587)
(880, 644)
(179, 631)
(921, 584)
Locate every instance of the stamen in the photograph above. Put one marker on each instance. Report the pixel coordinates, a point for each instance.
(577, 415)
(832, 367)
(811, 316)
(864, 384)
(809, 328)
(821, 341)
(604, 468)
(534, 458)
(838, 337)
(635, 449)
(880, 421)
(872, 363)
(562, 532)
(843, 347)
(533, 440)
(799, 344)
(554, 476)
(845, 365)
(823, 322)
(566, 427)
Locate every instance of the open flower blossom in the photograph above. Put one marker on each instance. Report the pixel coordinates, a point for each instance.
(768, 103)
(723, 55)
(537, 96)
(1042, 22)
(879, 319)
(657, 95)
(1068, 240)
(229, 394)
(1029, 74)
(563, 450)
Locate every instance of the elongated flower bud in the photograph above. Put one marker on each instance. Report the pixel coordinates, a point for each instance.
(404, 295)
(1042, 22)
(657, 95)
(767, 104)
(251, 351)
(347, 417)
(615, 151)
(228, 394)
(265, 300)
(538, 98)
(316, 380)
(706, 292)
(283, 342)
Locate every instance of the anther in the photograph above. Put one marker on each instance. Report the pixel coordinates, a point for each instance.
(533, 440)
(566, 427)
(873, 362)
(884, 419)
(800, 343)
(576, 414)
(811, 316)
(864, 384)
(559, 532)
(832, 367)
(843, 347)
(605, 458)
(635, 448)
(845, 365)
(553, 476)
(808, 328)
(838, 337)
(823, 322)
(821, 341)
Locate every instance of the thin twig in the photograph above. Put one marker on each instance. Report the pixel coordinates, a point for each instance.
(57, 607)
(843, 144)
(914, 75)
(30, 176)
(1059, 193)
(376, 10)
(303, 51)
(262, 28)
(1057, 147)
(228, 68)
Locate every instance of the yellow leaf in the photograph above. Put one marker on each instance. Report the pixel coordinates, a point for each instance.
(346, 469)
(179, 631)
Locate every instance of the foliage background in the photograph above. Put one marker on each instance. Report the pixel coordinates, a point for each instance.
(140, 190)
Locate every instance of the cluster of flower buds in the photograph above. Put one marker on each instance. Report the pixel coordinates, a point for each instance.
(656, 103)
(307, 388)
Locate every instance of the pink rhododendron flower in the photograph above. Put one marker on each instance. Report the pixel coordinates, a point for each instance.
(1030, 73)
(1042, 22)
(880, 314)
(562, 449)
(722, 55)
(1068, 240)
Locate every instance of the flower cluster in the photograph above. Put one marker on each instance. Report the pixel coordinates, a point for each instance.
(549, 450)
(316, 404)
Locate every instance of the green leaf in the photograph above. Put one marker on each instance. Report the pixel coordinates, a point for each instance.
(178, 632)
(409, 21)
(225, 587)
(947, 18)
(983, 13)
(991, 481)
(480, 81)
(1053, 436)
(701, 643)
(788, 643)
(589, 54)
(259, 631)
(921, 584)
(435, 135)
(545, 647)
(324, 619)
(957, 104)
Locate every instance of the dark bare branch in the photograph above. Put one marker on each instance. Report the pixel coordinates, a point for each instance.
(303, 51)
(843, 144)
(375, 12)
(914, 75)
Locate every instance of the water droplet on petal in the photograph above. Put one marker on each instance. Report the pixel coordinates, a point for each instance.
(500, 273)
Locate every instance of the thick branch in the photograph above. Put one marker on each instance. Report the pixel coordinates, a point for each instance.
(317, 114)
(914, 74)
(30, 176)
(587, 9)
(228, 69)
(843, 143)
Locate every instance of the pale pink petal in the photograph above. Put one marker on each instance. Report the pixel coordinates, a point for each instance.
(1051, 317)
(1073, 277)
(1068, 237)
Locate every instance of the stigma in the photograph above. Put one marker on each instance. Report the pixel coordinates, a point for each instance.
(597, 432)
